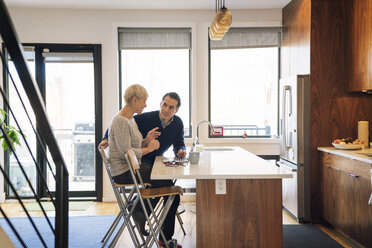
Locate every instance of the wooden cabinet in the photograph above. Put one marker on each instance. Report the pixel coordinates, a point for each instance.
(363, 212)
(317, 40)
(345, 190)
(337, 204)
(360, 45)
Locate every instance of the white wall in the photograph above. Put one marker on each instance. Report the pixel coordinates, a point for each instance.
(100, 27)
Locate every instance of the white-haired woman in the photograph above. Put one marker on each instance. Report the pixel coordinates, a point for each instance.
(124, 135)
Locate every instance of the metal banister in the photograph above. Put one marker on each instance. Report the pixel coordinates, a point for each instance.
(15, 50)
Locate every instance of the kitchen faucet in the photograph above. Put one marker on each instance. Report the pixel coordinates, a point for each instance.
(196, 141)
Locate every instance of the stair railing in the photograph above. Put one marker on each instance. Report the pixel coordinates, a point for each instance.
(60, 200)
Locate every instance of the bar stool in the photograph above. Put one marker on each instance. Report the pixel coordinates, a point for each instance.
(123, 202)
(143, 193)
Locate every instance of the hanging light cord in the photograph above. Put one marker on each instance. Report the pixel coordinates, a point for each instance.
(220, 4)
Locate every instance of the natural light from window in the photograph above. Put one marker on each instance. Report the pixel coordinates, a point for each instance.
(244, 91)
(159, 71)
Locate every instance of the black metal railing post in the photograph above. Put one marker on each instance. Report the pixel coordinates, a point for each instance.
(61, 229)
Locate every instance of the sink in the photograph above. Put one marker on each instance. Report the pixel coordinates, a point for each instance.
(218, 149)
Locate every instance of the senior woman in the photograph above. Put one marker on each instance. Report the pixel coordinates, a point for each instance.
(124, 135)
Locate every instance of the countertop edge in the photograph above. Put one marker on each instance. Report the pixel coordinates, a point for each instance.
(352, 154)
(281, 176)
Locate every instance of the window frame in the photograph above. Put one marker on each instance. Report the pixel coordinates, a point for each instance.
(210, 97)
(190, 73)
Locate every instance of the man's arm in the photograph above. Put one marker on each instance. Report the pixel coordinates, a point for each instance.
(179, 147)
(104, 143)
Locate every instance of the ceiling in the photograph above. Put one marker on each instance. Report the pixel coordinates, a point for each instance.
(147, 4)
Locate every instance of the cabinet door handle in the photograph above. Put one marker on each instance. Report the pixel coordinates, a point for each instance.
(353, 175)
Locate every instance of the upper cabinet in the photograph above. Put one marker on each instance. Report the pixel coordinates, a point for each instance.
(295, 51)
(330, 39)
(360, 45)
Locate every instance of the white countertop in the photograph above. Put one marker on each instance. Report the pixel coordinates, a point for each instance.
(352, 154)
(221, 163)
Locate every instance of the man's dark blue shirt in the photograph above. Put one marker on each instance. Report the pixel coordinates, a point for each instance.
(172, 134)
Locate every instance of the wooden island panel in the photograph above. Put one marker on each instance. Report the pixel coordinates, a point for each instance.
(248, 215)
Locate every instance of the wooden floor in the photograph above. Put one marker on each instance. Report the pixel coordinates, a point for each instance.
(188, 241)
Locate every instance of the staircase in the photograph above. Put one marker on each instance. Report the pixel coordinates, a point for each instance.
(46, 141)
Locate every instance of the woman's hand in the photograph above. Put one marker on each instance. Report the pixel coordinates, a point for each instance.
(151, 135)
(153, 145)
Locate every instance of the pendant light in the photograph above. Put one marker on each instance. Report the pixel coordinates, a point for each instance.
(221, 22)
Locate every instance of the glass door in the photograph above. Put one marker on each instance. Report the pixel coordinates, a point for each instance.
(69, 96)
(70, 83)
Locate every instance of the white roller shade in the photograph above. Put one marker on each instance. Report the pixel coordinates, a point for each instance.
(248, 38)
(59, 57)
(154, 38)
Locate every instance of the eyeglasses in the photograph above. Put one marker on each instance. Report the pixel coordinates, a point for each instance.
(176, 162)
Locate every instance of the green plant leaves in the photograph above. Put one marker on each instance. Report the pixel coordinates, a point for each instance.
(10, 132)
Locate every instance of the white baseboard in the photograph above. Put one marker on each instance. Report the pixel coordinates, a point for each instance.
(2, 197)
(108, 199)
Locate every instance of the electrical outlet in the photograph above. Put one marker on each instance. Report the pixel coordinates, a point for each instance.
(220, 186)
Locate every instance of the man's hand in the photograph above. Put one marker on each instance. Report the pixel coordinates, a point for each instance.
(104, 144)
(181, 153)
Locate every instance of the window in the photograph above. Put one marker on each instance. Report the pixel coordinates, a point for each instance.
(244, 76)
(159, 60)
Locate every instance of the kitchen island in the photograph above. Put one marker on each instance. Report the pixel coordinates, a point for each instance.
(238, 197)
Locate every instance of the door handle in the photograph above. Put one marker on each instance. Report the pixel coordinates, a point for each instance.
(286, 167)
(287, 111)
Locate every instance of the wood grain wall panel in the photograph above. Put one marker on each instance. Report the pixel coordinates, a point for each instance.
(248, 215)
(317, 37)
(295, 51)
(334, 112)
(326, 85)
(361, 45)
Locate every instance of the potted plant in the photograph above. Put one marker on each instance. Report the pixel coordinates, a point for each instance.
(10, 131)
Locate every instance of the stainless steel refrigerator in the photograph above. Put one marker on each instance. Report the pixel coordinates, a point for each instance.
(294, 136)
